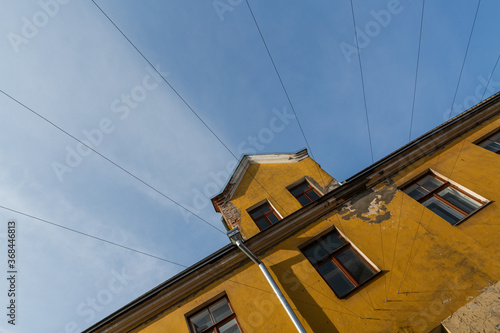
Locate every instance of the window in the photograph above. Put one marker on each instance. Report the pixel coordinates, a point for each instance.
(336, 260)
(447, 199)
(304, 193)
(218, 317)
(264, 216)
(492, 143)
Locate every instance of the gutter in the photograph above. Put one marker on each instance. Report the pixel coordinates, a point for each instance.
(328, 198)
(235, 237)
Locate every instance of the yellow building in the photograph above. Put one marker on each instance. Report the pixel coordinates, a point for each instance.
(410, 244)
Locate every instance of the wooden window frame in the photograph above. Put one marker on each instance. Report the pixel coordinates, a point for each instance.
(332, 257)
(447, 183)
(488, 138)
(215, 325)
(271, 211)
(310, 189)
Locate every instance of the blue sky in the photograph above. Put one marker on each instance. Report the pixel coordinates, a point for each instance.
(68, 63)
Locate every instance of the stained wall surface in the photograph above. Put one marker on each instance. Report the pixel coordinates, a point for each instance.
(428, 268)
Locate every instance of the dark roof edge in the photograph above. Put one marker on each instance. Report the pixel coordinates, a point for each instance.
(421, 138)
(219, 254)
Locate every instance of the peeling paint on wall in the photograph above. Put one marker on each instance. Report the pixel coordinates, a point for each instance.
(371, 205)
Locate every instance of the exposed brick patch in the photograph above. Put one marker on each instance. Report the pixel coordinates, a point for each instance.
(231, 214)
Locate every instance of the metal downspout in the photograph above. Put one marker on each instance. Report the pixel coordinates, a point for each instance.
(273, 284)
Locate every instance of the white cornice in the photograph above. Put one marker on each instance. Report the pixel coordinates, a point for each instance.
(245, 162)
(218, 265)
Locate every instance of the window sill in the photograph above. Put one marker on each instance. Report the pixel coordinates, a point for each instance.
(471, 214)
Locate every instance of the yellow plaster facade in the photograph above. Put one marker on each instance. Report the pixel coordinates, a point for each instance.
(427, 268)
(269, 182)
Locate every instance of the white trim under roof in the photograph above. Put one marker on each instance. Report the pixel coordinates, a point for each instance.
(245, 162)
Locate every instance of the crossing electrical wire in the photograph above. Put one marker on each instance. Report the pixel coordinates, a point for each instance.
(409, 135)
(284, 89)
(109, 160)
(489, 79)
(465, 57)
(362, 80)
(91, 236)
(410, 259)
(416, 70)
(185, 102)
(458, 155)
(161, 75)
(176, 263)
(367, 121)
(279, 77)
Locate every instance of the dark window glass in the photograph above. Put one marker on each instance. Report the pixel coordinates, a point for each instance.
(315, 253)
(356, 266)
(303, 200)
(297, 190)
(332, 241)
(492, 143)
(273, 218)
(217, 317)
(430, 183)
(416, 191)
(231, 327)
(338, 263)
(335, 278)
(304, 193)
(262, 223)
(460, 200)
(220, 310)
(264, 216)
(423, 187)
(443, 210)
(261, 210)
(443, 198)
(201, 321)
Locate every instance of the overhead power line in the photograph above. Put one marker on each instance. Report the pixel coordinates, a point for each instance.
(416, 70)
(362, 81)
(169, 261)
(279, 77)
(409, 136)
(110, 161)
(91, 236)
(410, 258)
(284, 89)
(465, 57)
(187, 104)
(158, 72)
(489, 79)
(153, 256)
